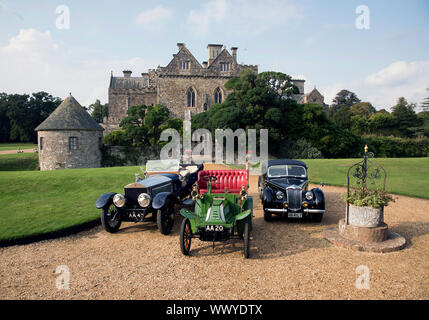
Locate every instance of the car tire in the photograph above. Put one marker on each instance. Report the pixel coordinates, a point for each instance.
(268, 216)
(107, 215)
(316, 217)
(246, 237)
(185, 236)
(165, 218)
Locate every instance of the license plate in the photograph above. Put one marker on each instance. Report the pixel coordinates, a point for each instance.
(214, 228)
(294, 214)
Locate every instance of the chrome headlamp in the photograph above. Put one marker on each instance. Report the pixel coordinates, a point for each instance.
(119, 200)
(279, 195)
(194, 192)
(243, 193)
(309, 196)
(143, 200)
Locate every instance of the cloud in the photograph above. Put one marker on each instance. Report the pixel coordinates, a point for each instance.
(384, 87)
(154, 18)
(33, 62)
(242, 16)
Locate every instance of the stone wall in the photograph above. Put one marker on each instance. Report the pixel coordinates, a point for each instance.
(173, 93)
(121, 99)
(56, 154)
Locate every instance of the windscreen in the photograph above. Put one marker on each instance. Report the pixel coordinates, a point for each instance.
(287, 170)
(163, 165)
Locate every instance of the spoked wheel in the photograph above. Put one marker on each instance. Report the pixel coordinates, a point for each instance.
(110, 218)
(185, 237)
(165, 218)
(246, 236)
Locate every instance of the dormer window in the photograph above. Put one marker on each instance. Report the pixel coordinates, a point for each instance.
(185, 65)
(224, 66)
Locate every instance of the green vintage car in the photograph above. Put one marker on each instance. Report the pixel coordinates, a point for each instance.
(222, 209)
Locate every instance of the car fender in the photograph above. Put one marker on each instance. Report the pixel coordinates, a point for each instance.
(243, 215)
(187, 214)
(104, 199)
(319, 197)
(160, 199)
(268, 196)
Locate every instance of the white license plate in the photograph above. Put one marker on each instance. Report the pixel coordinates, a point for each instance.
(294, 214)
(214, 228)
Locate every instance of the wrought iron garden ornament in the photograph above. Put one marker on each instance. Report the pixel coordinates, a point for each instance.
(362, 172)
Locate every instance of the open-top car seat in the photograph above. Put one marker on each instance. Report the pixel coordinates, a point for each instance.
(234, 180)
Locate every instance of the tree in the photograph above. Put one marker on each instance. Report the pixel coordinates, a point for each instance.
(382, 123)
(425, 103)
(363, 109)
(133, 125)
(342, 117)
(99, 111)
(405, 117)
(26, 113)
(4, 119)
(343, 98)
(155, 117)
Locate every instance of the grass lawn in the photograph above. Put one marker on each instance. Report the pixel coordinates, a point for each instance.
(19, 162)
(15, 146)
(36, 202)
(405, 176)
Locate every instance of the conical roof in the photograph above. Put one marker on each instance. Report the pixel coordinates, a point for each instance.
(69, 115)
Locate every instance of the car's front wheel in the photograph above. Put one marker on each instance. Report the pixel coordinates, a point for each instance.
(185, 236)
(267, 215)
(165, 218)
(316, 217)
(110, 218)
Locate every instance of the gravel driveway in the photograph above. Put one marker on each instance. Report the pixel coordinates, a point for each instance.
(289, 260)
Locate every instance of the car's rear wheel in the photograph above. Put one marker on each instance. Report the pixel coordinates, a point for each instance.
(246, 236)
(110, 218)
(165, 218)
(185, 237)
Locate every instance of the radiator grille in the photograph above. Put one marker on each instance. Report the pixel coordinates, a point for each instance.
(294, 198)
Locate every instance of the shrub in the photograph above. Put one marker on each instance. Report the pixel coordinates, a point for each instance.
(363, 197)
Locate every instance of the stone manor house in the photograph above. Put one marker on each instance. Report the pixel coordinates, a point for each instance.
(184, 84)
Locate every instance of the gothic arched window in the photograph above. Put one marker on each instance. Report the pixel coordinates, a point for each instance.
(218, 96)
(191, 97)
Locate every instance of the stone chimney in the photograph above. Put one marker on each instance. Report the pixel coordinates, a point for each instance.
(205, 64)
(234, 53)
(214, 50)
(127, 73)
(180, 46)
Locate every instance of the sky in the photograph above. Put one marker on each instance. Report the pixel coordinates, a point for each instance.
(378, 49)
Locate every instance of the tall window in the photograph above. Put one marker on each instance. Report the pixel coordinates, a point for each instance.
(218, 96)
(73, 143)
(191, 97)
(41, 143)
(224, 66)
(184, 65)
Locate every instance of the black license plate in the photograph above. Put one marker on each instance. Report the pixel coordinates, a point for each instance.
(214, 228)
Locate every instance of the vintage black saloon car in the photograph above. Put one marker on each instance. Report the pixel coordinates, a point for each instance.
(283, 189)
(166, 183)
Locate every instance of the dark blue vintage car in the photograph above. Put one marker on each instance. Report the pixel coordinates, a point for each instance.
(153, 198)
(283, 189)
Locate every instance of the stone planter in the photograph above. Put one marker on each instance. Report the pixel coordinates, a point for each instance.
(368, 217)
